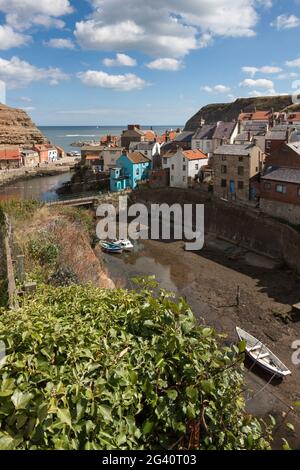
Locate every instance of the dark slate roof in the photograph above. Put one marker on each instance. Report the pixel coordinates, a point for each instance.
(244, 136)
(256, 127)
(224, 130)
(234, 149)
(185, 136)
(276, 135)
(286, 175)
(205, 132)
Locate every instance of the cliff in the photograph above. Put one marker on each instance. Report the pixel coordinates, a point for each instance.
(16, 128)
(229, 111)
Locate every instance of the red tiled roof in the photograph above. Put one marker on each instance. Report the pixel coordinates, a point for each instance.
(255, 116)
(90, 157)
(195, 155)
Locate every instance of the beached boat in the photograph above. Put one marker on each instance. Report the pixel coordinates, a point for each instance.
(124, 243)
(260, 354)
(111, 247)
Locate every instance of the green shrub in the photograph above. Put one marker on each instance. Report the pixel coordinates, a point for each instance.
(90, 368)
(43, 251)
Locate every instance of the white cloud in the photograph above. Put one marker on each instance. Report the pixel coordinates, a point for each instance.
(10, 38)
(286, 22)
(121, 60)
(260, 83)
(166, 64)
(21, 14)
(293, 63)
(126, 82)
(60, 43)
(216, 89)
(268, 69)
(287, 75)
(17, 73)
(171, 28)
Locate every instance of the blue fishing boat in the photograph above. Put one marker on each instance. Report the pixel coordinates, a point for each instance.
(110, 247)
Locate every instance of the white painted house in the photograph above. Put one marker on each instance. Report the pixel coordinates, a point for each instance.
(52, 154)
(210, 136)
(184, 166)
(148, 149)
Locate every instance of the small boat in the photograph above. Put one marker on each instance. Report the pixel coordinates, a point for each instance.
(124, 243)
(111, 247)
(260, 354)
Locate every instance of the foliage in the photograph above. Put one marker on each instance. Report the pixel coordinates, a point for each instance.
(78, 215)
(44, 251)
(90, 368)
(3, 271)
(63, 277)
(20, 210)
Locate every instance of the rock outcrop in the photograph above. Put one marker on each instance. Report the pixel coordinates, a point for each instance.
(16, 128)
(230, 111)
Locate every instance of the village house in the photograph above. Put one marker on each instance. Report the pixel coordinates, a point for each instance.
(131, 168)
(236, 169)
(30, 158)
(47, 153)
(276, 137)
(60, 152)
(280, 193)
(10, 157)
(149, 149)
(182, 141)
(132, 134)
(109, 156)
(293, 118)
(265, 117)
(210, 136)
(286, 156)
(184, 166)
(91, 156)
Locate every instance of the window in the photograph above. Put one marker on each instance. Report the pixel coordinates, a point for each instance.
(280, 188)
(241, 159)
(267, 186)
(223, 183)
(184, 168)
(165, 161)
(137, 171)
(183, 159)
(173, 167)
(184, 179)
(197, 166)
(198, 145)
(240, 170)
(268, 144)
(240, 184)
(223, 169)
(172, 178)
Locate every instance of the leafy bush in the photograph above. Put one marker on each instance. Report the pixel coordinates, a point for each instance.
(63, 277)
(44, 251)
(90, 368)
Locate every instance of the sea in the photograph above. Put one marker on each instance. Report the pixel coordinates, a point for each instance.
(64, 136)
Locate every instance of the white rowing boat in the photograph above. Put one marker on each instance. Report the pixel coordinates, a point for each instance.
(260, 354)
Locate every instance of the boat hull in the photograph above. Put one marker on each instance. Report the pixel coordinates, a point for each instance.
(262, 356)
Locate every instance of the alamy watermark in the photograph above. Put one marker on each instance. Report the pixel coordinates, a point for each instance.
(296, 353)
(157, 222)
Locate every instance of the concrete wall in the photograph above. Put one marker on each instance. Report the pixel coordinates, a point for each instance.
(249, 227)
(282, 210)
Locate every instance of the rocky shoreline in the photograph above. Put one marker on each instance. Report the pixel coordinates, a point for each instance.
(22, 174)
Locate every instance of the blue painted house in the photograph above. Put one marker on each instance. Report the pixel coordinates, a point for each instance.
(131, 168)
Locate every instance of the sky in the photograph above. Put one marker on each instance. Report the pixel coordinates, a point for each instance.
(153, 62)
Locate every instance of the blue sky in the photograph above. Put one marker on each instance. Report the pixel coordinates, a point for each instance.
(154, 62)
